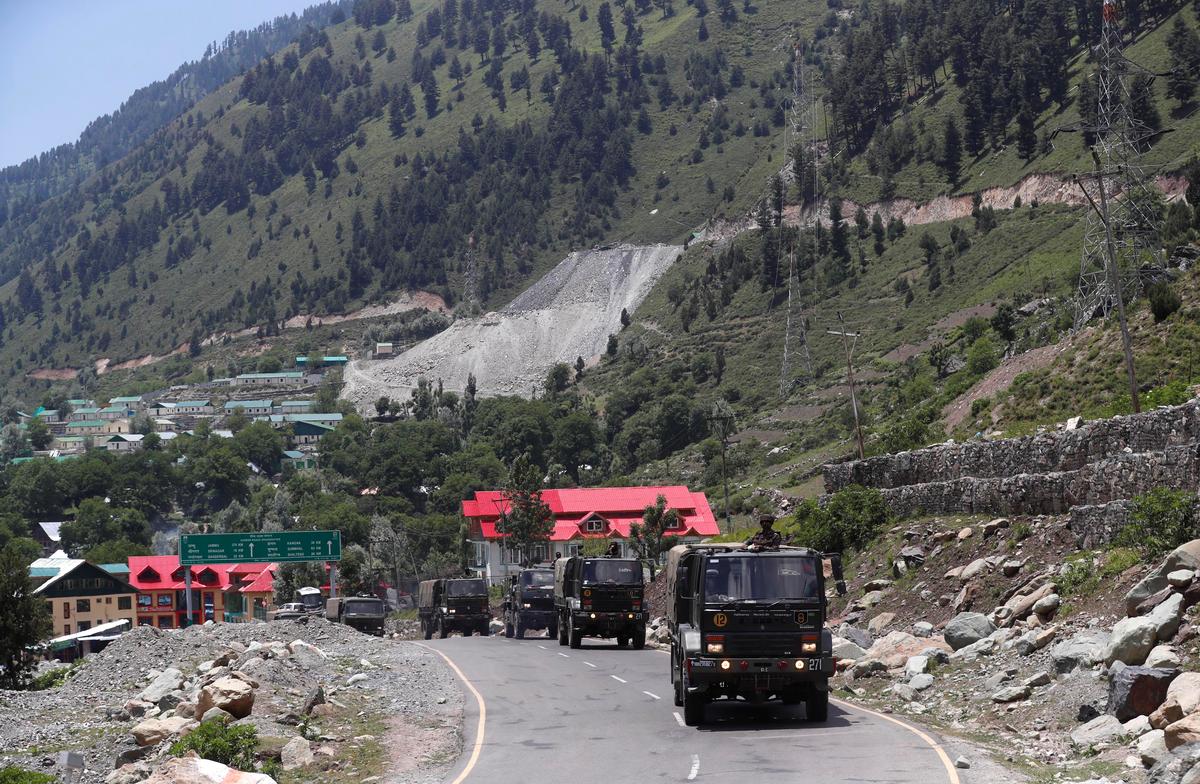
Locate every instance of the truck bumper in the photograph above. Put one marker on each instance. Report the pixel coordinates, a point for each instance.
(608, 624)
(758, 674)
(536, 619)
(466, 620)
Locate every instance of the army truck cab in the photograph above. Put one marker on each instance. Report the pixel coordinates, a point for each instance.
(448, 606)
(749, 623)
(599, 597)
(365, 613)
(529, 603)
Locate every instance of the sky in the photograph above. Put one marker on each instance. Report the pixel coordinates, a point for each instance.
(63, 63)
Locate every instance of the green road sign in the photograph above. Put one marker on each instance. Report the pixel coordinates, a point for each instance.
(276, 546)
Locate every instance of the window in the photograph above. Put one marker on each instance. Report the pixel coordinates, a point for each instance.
(83, 626)
(108, 600)
(595, 525)
(125, 603)
(480, 553)
(83, 605)
(166, 622)
(145, 600)
(676, 523)
(66, 628)
(67, 610)
(145, 621)
(164, 600)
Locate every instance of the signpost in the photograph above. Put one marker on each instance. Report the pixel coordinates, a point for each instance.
(259, 547)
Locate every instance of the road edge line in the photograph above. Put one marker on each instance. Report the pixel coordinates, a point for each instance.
(951, 771)
(481, 725)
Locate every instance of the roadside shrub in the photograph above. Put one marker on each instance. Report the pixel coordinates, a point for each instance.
(1163, 300)
(1080, 578)
(981, 356)
(15, 775)
(909, 432)
(220, 742)
(51, 679)
(1118, 560)
(1160, 521)
(850, 519)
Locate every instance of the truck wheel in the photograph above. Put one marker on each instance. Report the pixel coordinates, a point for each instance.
(553, 630)
(816, 707)
(485, 629)
(443, 632)
(562, 633)
(639, 638)
(427, 627)
(622, 641)
(576, 635)
(508, 628)
(791, 696)
(520, 629)
(693, 707)
(676, 679)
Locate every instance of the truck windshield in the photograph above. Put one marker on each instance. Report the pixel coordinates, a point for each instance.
(364, 607)
(537, 579)
(612, 571)
(466, 588)
(760, 578)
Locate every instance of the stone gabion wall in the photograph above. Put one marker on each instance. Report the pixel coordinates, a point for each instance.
(1055, 492)
(1046, 453)
(1096, 525)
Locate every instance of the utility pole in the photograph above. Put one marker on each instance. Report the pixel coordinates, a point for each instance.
(1113, 273)
(849, 348)
(724, 416)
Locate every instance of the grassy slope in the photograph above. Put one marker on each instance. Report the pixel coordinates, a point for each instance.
(161, 314)
(1005, 167)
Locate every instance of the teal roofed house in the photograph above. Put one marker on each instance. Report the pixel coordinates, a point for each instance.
(249, 407)
(284, 377)
(327, 419)
(298, 461)
(129, 400)
(336, 360)
(113, 412)
(84, 412)
(305, 433)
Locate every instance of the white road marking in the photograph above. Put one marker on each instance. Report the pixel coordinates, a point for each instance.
(590, 665)
(565, 656)
(651, 695)
(679, 719)
(620, 680)
(695, 771)
(543, 647)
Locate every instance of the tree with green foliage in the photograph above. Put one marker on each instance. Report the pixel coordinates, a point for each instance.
(1026, 133)
(1164, 300)
(528, 520)
(1160, 521)
(429, 88)
(97, 522)
(558, 379)
(1184, 46)
(651, 538)
(576, 440)
(24, 620)
(115, 551)
(982, 356)
(849, 520)
(39, 433)
(951, 150)
(608, 33)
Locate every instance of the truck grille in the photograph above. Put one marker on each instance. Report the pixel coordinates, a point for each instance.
(610, 601)
(540, 603)
(750, 644)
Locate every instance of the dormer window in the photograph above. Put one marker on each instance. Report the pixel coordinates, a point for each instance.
(595, 526)
(148, 575)
(207, 576)
(675, 523)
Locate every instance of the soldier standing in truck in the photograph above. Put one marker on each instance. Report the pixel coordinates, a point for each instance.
(768, 537)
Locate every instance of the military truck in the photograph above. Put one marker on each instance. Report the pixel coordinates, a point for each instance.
(749, 623)
(599, 597)
(448, 606)
(364, 613)
(529, 603)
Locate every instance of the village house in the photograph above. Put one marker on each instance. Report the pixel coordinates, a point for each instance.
(309, 433)
(83, 413)
(284, 378)
(87, 427)
(65, 443)
(294, 407)
(249, 407)
(113, 412)
(294, 460)
(581, 515)
(194, 407)
(383, 350)
(331, 419)
(223, 593)
(81, 595)
(124, 442)
(158, 408)
(49, 536)
(131, 402)
(331, 361)
(50, 416)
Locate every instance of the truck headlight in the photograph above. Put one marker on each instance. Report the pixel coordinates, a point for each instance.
(809, 647)
(725, 664)
(451, 611)
(526, 605)
(593, 615)
(800, 664)
(716, 648)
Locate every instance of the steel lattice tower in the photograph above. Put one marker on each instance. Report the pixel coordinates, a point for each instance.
(1119, 185)
(797, 132)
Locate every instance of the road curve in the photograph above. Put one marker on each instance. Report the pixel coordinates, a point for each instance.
(600, 715)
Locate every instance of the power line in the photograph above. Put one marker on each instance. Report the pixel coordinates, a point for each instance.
(849, 348)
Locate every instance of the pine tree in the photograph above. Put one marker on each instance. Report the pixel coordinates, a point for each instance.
(877, 232)
(777, 198)
(396, 116)
(839, 240)
(430, 89)
(1184, 46)
(528, 520)
(608, 34)
(951, 150)
(703, 32)
(456, 71)
(1142, 104)
(1026, 133)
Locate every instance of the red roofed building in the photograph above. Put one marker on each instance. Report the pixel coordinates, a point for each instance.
(581, 514)
(220, 592)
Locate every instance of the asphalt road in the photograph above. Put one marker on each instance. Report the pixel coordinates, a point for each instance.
(601, 714)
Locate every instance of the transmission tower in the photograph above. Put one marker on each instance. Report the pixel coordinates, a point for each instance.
(470, 274)
(1121, 233)
(798, 132)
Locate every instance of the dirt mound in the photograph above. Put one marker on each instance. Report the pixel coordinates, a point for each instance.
(569, 313)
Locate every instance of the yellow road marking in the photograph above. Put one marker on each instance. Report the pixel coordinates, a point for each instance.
(951, 771)
(479, 728)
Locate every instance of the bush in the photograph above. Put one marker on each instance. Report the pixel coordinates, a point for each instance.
(981, 356)
(1160, 521)
(52, 679)
(220, 742)
(1080, 578)
(850, 519)
(14, 775)
(1163, 300)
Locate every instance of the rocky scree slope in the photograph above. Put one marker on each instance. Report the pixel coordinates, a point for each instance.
(329, 703)
(568, 313)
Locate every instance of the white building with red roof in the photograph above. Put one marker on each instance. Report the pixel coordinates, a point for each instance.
(220, 592)
(580, 515)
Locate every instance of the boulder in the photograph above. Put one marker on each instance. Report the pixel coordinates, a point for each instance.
(871, 598)
(230, 694)
(880, 622)
(1010, 567)
(894, 648)
(315, 698)
(1185, 690)
(154, 731)
(296, 754)
(1164, 656)
(1039, 678)
(921, 682)
(216, 714)
(1131, 640)
(1012, 694)
(845, 649)
(1167, 616)
(965, 534)
(1182, 732)
(1167, 713)
(877, 585)
(912, 555)
(916, 665)
(1034, 640)
(1181, 578)
(163, 684)
(1102, 729)
(967, 628)
(1138, 691)
(1186, 556)
(985, 647)
(1152, 748)
(356, 678)
(993, 527)
(194, 770)
(922, 629)
(1048, 604)
(904, 692)
(974, 569)
(865, 668)
(855, 635)
(1022, 605)
(1083, 650)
